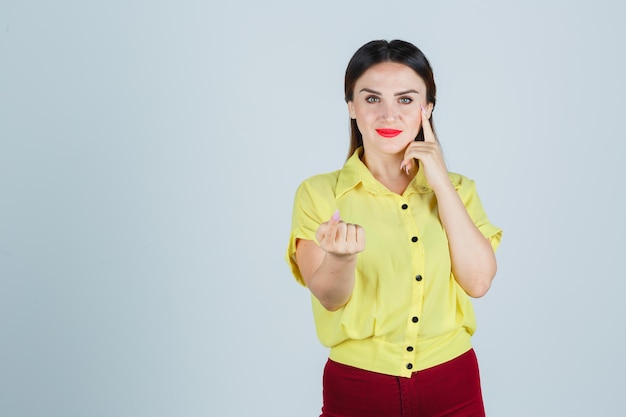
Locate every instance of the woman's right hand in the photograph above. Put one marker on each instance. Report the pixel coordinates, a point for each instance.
(328, 266)
(340, 238)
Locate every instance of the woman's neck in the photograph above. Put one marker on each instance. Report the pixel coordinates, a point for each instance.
(386, 169)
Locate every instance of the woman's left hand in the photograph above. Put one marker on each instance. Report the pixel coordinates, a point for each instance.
(429, 153)
(473, 259)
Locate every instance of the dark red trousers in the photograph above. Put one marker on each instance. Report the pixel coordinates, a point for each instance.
(451, 389)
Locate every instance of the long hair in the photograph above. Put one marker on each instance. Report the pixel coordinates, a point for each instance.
(379, 51)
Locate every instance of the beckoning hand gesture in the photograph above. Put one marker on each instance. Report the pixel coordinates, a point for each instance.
(340, 238)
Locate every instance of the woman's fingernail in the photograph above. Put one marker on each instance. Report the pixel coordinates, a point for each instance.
(402, 166)
(423, 109)
(336, 216)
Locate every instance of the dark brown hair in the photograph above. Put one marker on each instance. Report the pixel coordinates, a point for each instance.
(379, 51)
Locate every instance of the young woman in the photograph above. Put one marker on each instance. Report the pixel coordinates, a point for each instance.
(392, 246)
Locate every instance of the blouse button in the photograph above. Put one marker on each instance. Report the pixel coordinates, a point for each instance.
(418, 278)
(415, 319)
(409, 348)
(414, 239)
(405, 206)
(409, 366)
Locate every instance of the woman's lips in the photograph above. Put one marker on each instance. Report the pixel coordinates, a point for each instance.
(388, 133)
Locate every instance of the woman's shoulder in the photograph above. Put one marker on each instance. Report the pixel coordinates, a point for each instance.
(460, 180)
(321, 181)
(317, 189)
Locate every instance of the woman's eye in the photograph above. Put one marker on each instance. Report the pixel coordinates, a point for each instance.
(405, 100)
(372, 99)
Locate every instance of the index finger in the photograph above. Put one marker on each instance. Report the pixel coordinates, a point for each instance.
(429, 135)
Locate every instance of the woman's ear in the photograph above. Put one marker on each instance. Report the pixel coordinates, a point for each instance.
(351, 110)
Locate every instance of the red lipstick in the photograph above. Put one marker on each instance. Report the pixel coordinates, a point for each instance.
(388, 133)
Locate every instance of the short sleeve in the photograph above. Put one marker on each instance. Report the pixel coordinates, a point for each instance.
(467, 191)
(314, 203)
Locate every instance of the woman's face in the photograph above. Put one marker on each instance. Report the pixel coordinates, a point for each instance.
(386, 104)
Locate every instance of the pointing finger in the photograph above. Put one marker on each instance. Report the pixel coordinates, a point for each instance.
(429, 135)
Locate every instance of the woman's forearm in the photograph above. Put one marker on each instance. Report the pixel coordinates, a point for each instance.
(473, 259)
(329, 277)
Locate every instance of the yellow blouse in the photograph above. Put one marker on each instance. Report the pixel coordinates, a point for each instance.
(406, 312)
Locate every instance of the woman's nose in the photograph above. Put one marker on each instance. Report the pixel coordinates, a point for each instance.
(389, 112)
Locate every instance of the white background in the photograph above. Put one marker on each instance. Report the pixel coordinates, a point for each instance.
(150, 150)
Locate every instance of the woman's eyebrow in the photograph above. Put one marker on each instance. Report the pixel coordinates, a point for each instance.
(367, 90)
(401, 93)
